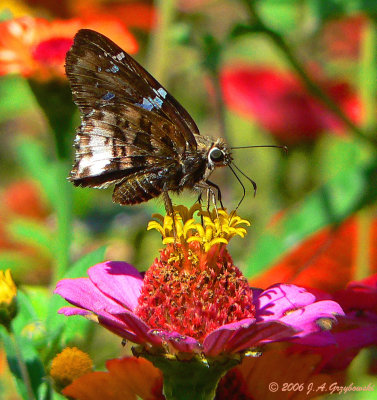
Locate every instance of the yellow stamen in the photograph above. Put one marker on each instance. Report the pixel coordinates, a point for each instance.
(215, 227)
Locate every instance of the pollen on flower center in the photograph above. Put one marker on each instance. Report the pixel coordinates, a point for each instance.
(194, 301)
(68, 365)
(215, 227)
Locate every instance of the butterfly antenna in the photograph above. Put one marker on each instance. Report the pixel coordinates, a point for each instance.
(243, 187)
(285, 148)
(249, 179)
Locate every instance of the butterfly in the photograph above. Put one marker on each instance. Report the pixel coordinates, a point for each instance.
(134, 134)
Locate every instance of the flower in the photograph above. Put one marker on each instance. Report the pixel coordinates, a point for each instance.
(193, 301)
(280, 104)
(69, 365)
(8, 302)
(35, 47)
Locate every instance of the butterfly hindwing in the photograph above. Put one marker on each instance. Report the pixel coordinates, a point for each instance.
(119, 140)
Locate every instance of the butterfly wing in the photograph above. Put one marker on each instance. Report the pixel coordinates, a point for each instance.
(99, 71)
(132, 131)
(118, 143)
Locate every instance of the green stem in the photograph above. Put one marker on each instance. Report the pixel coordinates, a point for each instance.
(364, 220)
(55, 100)
(158, 52)
(190, 379)
(21, 364)
(367, 75)
(63, 207)
(219, 106)
(296, 64)
(368, 88)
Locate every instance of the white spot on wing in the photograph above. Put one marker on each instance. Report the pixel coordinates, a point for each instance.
(101, 156)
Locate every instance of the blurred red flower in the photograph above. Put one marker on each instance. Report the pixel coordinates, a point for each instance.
(35, 47)
(330, 249)
(342, 37)
(135, 14)
(280, 104)
(22, 201)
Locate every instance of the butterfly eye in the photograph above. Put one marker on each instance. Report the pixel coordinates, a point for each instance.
(216, 155)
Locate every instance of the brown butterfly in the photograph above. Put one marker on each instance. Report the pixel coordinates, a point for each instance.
(133, 133)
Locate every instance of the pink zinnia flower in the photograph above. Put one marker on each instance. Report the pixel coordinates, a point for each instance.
(193, 300)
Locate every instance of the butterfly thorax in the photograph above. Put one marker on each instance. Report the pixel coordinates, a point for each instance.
(198, 166)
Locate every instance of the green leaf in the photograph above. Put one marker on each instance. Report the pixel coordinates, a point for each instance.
(347, 192)
(32, 233)
(52, 176)
(37, 165)
(12, 104)
(15, 261)
(281, 16)
(21, 350)
(337, 8)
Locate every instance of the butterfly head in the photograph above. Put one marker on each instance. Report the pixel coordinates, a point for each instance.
(219, 155)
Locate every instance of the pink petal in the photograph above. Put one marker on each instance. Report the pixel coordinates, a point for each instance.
(120, 329)
(260, 333)
(216, 342)
(137, 326)
(277, 300)
(317, 339)
(119, 281)
(82, 293)
(68, 311)
(305, 319)
(181, 343)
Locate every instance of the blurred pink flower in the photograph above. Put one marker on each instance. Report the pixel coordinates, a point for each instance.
(280, 104)
(355, 330)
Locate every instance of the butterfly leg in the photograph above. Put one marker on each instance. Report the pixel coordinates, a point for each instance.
(169, 209)
(209, 183)
(211, 194)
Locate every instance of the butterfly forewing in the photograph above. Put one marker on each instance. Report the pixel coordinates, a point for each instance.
(101, 72)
